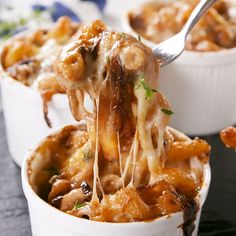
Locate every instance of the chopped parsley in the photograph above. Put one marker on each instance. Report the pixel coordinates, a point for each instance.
(78, 205)
(197, 190)
(123, 35)
(148, 90)
(8, 28)
(37, 13)
(107, 59)
(87, 156)
(167, 112)
(22, 21)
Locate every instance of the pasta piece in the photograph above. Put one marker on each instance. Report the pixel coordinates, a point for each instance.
(180, 151)
(228, 137)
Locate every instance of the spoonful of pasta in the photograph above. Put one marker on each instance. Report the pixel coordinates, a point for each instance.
(169, 50)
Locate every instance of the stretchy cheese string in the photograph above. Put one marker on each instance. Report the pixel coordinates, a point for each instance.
(110, 125)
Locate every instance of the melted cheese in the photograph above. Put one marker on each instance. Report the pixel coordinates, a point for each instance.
(106, 65)
(95, 164)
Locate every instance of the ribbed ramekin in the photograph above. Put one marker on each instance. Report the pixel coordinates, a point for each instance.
(24, 119)
(200, 87)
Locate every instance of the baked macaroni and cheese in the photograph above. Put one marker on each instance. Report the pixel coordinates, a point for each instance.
(124, 164)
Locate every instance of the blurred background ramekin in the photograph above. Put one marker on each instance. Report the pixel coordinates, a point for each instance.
(200, 87)
(24, 118)
(47, 220)
(23, 106)
(201, 90)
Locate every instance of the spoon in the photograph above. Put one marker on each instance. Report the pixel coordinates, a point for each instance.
(170, 49)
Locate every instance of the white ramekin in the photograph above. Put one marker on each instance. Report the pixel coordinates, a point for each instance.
(0, 99)
(47, 220)
(24, 119)
(200, 87)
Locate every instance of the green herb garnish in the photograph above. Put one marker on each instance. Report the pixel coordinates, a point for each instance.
(9, 28)
(167, 112)
(123, 35)
(22, 21)
(37, 13)
(78, 205)
(197, 189)
(107, 59)
(87, 156)
(149, 91)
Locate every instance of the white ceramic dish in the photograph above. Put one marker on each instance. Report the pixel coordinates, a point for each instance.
(47, 220)
(23, 113)
(199, 85)
(0, 99)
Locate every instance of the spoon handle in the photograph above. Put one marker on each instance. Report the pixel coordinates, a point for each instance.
(198, 11)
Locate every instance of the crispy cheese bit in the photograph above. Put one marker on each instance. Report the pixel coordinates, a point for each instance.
(228, 137)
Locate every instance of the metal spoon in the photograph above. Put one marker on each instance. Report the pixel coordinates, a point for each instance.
(170, 49)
